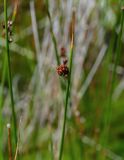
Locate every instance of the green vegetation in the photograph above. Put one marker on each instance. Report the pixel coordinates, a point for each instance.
(61, 80)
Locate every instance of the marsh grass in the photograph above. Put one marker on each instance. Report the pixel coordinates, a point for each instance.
(9, 73)
(35, 104)
(2, 102)
(68, 87)
(69, 76)
(51, 147)
(4, 72)
(108, 111)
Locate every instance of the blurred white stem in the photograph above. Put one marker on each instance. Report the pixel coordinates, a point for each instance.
(28, 31)
(9, 10)
(34, 27)
(91, 142)
(18, 49)
(119, 69)
(92, 72)
(36, 39)
(119, 89)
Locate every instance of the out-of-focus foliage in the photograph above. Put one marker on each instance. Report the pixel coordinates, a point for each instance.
(37, 92)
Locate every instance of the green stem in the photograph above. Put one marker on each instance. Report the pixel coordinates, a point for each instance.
(66, 105)
(3, 82)
(9, 72)
(1, 103)
(51, 147)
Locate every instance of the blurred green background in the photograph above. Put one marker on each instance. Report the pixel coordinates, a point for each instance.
(96, 95)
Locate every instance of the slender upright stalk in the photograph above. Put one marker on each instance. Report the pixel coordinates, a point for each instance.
(1, 103)
(3, 82)
(9, 71)
(68, 88)
(51, 147)
(2, 90)
(15, 10)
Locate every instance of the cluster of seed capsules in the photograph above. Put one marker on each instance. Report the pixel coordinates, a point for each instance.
(9, 27)
(63, 69)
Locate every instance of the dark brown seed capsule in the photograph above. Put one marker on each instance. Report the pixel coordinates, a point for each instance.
(63, 70)
(65, 61)
(63, 52)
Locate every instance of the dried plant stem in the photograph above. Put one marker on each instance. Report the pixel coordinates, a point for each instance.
(16, 153)
(15, 10)
(68, 88)
(9, 141)
(9, 71)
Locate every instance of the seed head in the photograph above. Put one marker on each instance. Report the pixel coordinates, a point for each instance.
(63, 52)
(9, 27)
(10, 23)
(65, 61)
(63, 70)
